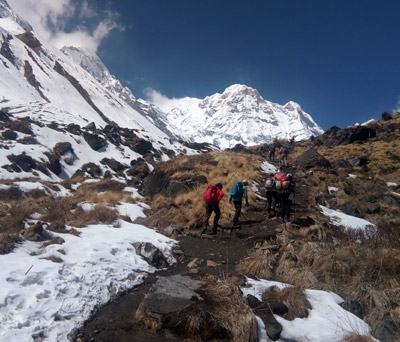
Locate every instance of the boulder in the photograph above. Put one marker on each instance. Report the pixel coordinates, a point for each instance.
(62, 148)
(95, 141)
(9, 135)
(73, 129)
(36, 233)
(169, 295)
(150, 253)
(387, 116)
(4, 116)
(358, 161)
(91, 169)
(25, 162)
(263, 310)
(312, 159)
(350, 209)
(113, 164)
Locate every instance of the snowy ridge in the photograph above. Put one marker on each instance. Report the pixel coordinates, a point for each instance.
(238, 115)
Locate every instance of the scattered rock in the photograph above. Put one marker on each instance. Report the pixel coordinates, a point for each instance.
(358, 161)
(262, 310)
(36, 233)
(211, 263)
(95, 141)
(150, 253)
(9, 135)
(311, 159)
(25, 162)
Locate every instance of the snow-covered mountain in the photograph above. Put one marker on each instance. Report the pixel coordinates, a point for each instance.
(238, 115)
(67, 96)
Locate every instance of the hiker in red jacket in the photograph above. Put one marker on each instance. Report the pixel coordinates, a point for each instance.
(212, 197)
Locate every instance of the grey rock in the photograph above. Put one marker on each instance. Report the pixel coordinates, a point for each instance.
(171, 294)
(150, 253)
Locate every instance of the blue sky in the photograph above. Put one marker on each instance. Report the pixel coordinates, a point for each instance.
(339, 59)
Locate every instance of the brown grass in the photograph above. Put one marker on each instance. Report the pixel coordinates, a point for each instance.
(223, 314)
(293, 297)
(148, 322)
(99, 214)
(187, 209)
(354, 337)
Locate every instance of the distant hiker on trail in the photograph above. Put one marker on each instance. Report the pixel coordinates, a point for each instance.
(212, 196)
(272, 154)
(272, 194)
(283, 152)
(238, 191)
(286, 188)
(292, 140)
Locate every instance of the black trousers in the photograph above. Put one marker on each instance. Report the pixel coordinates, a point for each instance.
(210, 208)
(271, 194)
(286, 204)
(238, 209)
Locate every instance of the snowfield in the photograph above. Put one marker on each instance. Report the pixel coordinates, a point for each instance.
(45, 300)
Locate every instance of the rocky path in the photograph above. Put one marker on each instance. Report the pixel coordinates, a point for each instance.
(197, 255)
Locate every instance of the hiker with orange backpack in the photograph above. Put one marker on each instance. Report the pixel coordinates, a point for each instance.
(212, 196)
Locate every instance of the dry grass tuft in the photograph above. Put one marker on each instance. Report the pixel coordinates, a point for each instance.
(293, 297)
(223, 314)
(148, 322)
(354, 337)
(99, 214)
(8, 242)
(260, 263)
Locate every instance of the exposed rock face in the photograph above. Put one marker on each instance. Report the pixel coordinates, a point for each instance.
(90, 169)
(22, 126)
(62, 148)
(25, 162)
(311, 159)
(31, 78)
(95, 141)
(113, 164)
(336, 136)
(140, 145)
(158, 182)
(29, 39)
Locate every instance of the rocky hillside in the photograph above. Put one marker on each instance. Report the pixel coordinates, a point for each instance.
(345, 174)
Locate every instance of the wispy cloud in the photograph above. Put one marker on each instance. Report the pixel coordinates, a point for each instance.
(397, 109)
(50, 19)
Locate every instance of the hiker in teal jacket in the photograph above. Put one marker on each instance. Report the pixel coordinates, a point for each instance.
(236, 196)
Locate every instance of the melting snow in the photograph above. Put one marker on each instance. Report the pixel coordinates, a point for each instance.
(340, 219)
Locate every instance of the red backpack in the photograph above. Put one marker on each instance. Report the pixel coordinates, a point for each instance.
(283, 184)
(211, 194)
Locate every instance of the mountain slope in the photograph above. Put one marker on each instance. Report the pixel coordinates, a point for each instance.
(43, 85)
(238, 115)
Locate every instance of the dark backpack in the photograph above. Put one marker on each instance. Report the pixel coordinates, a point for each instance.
(237, 190)
(285, 150)
(211, 194)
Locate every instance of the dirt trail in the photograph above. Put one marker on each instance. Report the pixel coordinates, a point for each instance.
(115, 321)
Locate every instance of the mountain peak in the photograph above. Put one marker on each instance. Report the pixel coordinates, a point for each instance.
(6, 12)
(241, 89)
